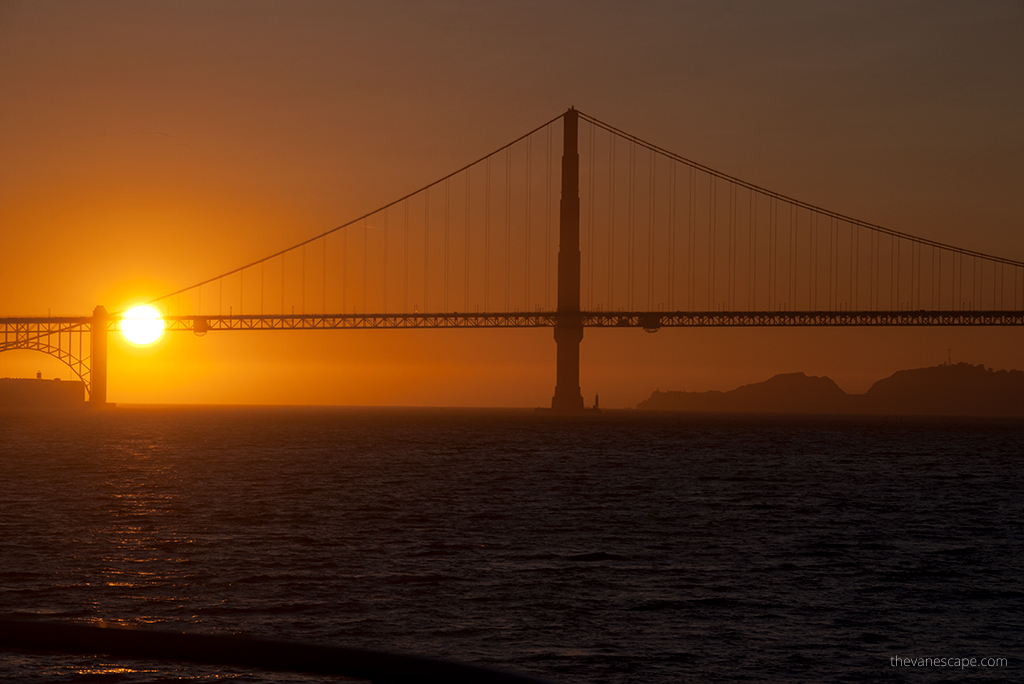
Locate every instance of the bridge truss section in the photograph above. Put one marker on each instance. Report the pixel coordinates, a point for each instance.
(64, 338)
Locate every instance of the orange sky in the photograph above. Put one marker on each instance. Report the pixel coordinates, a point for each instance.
(147, 146)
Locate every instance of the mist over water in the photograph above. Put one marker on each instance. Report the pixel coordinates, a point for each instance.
(621, 547)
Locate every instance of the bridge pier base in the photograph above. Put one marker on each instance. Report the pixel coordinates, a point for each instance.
(98, 360)
(568, 398)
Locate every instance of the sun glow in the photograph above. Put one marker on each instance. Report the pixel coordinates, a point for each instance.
(142, 325)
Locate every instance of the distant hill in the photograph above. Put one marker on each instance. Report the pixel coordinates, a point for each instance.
(959, 389)
(786, 393)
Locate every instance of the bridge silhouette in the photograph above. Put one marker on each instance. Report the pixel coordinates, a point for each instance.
(640, 238)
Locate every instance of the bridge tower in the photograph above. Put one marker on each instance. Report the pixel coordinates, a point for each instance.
(98, 352)
(569, 323)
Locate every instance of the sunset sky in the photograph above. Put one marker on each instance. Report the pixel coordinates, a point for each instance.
(147, 146)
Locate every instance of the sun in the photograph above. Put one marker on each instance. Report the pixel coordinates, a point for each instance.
(142, 325)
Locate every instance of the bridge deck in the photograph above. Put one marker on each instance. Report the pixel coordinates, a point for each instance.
(13, 330)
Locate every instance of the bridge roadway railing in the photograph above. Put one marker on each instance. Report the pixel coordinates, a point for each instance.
(648, 320)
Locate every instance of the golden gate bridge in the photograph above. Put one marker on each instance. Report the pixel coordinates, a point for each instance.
(610, 231)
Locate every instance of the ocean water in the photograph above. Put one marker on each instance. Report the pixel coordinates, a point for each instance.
(621, 547)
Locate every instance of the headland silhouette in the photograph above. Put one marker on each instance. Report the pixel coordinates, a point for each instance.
(960, 389)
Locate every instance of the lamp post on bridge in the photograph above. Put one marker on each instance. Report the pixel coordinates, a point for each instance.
(569, 323)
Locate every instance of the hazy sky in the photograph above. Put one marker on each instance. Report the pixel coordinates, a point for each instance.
(147, 145)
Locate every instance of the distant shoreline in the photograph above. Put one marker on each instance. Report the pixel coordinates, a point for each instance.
(947, 390)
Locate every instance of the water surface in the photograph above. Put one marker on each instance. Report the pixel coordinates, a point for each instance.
(621, 547)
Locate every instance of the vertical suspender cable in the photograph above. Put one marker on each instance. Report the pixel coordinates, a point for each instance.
(812, 265)
(855, 246)
(835, 272)
(712, 233)
(529, 227)
(1002, 287)
(732, 250)
(344, 270)
(831, 247)
(974, 286)
(974, 268)
(752, 239)
(487, 235)
(833, 264)
(591, 168)
(650, 236)
(426, 249)
(366, 266)
(773, 255)
(853, 266)
(611, 219)
(875, 269)
(609, 193)
(447, 190)
(958, 290)
(791, 266)
(814, 228)
(547, 225)
(878, 270)
(913, 274)
(899, 305)
(672, 235)
(892, 273)
(997, 296)
(447, 200)
(773, 215)
(405, 262)
(952, 281)
(979, 300)
(796, 266)
(630, 251)
(920, 276)
(995, 286)
(692, 238)
(508, 225)
(974, 283)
